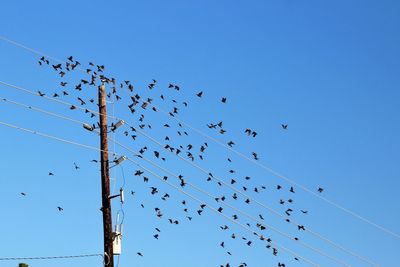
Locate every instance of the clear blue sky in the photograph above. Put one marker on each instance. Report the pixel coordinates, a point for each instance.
(328, 69)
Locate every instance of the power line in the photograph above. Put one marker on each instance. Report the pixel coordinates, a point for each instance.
(50, 257)
(49, 98)
(33, 50)
(194, 165)
(159, 177)
(49, 136)
(175, 175)
(41, 110)
(27, 48)
(263, 166)
(244, 156)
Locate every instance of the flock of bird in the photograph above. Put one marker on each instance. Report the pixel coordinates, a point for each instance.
(138, 105)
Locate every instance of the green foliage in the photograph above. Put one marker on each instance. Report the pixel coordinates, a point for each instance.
(23, 265)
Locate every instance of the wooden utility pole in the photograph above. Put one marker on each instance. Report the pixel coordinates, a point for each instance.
(105, 181)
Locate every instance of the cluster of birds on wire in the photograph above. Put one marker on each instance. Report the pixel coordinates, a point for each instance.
(95, 77)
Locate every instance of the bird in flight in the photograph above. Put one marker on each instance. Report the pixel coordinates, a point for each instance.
(59, 208)
(76, 166)
(284, 126)
(250, 132)
(301, 227)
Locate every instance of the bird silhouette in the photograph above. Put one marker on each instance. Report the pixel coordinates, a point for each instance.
(255, 156)
(81, 101)
(57, 67)
(301, 227)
